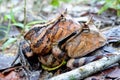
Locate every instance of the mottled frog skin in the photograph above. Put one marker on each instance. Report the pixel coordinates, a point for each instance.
(42, 38)
(62, 39)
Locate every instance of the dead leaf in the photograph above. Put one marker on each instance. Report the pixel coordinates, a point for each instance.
(115, 73)
(11, 76)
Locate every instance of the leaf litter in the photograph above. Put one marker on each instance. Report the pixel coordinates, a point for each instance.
(113, 34)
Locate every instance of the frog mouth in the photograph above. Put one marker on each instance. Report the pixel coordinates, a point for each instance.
(53, 68)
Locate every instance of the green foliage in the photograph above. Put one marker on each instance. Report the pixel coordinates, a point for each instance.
(20, 25)
(4, 30)
(115, 4)
(10, 19)
(8, 42)
(35, 22)
(57, 3)
(10, 16)
(1, 1)
(28, 25)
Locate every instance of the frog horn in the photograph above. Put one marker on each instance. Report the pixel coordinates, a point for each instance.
(89, 21)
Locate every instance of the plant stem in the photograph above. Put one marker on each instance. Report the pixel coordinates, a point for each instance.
(24, 15)
(8, 29)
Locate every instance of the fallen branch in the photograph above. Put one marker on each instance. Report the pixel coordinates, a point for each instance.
(90, 68)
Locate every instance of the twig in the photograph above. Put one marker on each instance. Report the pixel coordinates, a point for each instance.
(93, 67)
(24, 15)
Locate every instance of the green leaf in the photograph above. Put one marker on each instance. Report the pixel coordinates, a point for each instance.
(7, 16)
(28, 25)
(55, 3)
(66, 1)
(118, 12)
(105, 7)
(114, 4)
(35, 22)
(20, 25)
(8, 42)
(12, 16)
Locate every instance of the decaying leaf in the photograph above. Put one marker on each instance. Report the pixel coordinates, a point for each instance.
(114, 74)
(11, 76)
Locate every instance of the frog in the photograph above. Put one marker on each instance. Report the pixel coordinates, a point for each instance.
(62, 39)
(76, 45)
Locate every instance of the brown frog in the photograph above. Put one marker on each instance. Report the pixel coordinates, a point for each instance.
(62, 39)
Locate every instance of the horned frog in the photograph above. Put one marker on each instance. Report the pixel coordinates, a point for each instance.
(62, 39)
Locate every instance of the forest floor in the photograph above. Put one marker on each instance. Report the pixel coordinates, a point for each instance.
(12, 25)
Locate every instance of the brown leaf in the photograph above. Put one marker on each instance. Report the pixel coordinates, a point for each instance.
(115, 73)
(11, 76)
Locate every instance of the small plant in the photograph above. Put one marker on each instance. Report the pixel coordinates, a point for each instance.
(57, 3)
(114, 4)
(4, 30)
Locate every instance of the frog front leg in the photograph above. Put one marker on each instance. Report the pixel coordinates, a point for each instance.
(53, 60)
(26, 56)
(58, 55)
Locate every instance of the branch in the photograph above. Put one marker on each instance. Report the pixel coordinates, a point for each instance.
(90, 68)
(24, 15)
